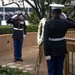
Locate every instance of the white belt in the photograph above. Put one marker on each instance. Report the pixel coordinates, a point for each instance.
(18, 29)
(56, 39)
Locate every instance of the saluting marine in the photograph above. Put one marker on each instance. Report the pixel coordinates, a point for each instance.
(40, 38)
(54, 40)
(19, 32)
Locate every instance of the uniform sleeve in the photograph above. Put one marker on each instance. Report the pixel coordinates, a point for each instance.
(70, 23)
(25, 27)
(10, 21)
(46, 39)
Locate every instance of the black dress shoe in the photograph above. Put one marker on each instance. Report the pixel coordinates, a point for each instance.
(15, 60)
(20, 59)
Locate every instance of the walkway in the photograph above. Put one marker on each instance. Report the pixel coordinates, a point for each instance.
(29, 56)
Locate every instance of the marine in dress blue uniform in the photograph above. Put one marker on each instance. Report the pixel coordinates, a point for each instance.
(54, 40)
(19, 31)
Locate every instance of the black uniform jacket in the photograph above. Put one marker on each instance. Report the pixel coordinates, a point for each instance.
(17, 34)
(56, 28)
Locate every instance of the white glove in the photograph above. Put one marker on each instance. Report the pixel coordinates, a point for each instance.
(48, 57)
(24, 36)
(14, 16)
(63, 16)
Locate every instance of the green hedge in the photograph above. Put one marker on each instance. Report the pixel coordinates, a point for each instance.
(12, 71)
(32, 28)
(9, 29)
(6, 29)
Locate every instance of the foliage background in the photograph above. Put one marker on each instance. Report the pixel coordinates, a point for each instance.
(9, 29)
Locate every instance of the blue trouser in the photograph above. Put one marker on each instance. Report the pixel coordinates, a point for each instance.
(17, 48)
(55, 65)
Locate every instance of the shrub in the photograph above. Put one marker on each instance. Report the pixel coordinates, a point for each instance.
(9, 29)
(32, 28)
(12, 71)
(33, 18)
(6, 29)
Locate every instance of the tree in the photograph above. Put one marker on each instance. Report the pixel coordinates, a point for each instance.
(17, 2)
(39, 6)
